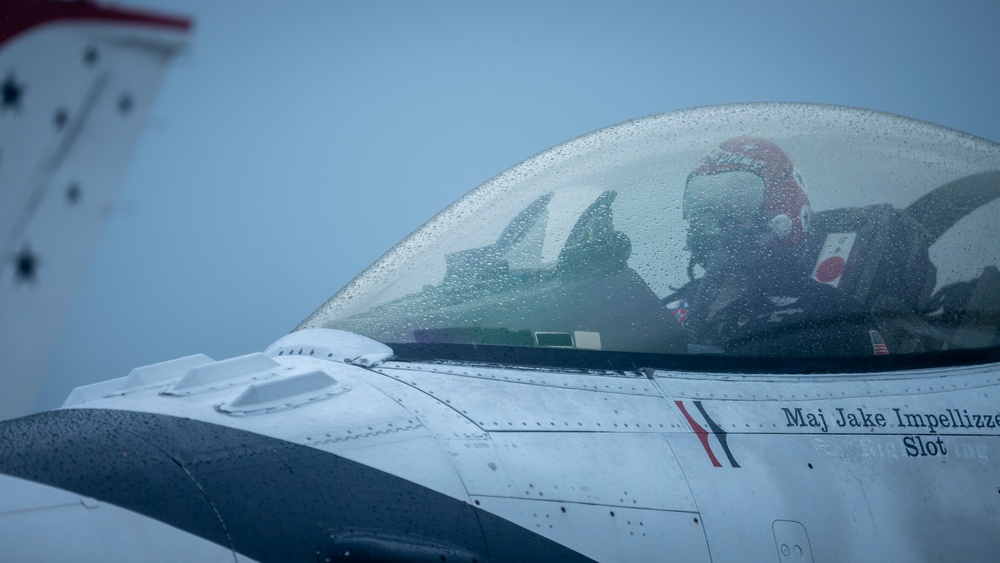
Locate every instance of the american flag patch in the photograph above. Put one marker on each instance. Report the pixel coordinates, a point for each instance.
(878, 345)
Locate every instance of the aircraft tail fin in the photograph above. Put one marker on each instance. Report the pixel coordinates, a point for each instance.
(76, 85)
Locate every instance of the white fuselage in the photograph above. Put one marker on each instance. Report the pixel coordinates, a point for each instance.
(621, 466)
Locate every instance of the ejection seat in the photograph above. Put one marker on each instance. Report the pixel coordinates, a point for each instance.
(879, 256)
(969, 311)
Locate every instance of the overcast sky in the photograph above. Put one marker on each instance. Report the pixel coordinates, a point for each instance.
(294, 143)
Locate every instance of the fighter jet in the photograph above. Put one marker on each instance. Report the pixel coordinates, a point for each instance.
(756, 332)
(77, 82)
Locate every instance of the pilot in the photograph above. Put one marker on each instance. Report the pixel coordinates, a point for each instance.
(754, 295)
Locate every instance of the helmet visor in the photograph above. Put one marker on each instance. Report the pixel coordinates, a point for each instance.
(735, 194)
(725, 212)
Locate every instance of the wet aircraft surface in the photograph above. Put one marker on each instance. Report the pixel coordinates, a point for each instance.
(602, 244)
(746, 332)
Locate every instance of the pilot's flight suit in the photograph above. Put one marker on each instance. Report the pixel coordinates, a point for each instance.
(797, 318)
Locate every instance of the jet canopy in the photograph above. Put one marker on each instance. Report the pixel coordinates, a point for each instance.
(727, 238)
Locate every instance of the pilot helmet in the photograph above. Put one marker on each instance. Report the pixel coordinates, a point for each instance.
(745, 206)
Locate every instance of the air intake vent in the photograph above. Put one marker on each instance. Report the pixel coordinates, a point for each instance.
(284, 393)
(217, 374)
(162, 372)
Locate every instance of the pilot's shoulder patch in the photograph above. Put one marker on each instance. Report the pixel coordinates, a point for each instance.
(878, 344)
(832, 259)
(679, 309)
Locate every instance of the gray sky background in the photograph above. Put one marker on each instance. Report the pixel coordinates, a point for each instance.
(296, 142)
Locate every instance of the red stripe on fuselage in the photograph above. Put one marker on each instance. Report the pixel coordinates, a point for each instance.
(700, 432)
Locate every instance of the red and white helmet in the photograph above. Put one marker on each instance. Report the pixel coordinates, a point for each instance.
(747, 193)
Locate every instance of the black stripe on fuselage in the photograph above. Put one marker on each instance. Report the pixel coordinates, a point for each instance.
(577, 359)
(268, 499)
